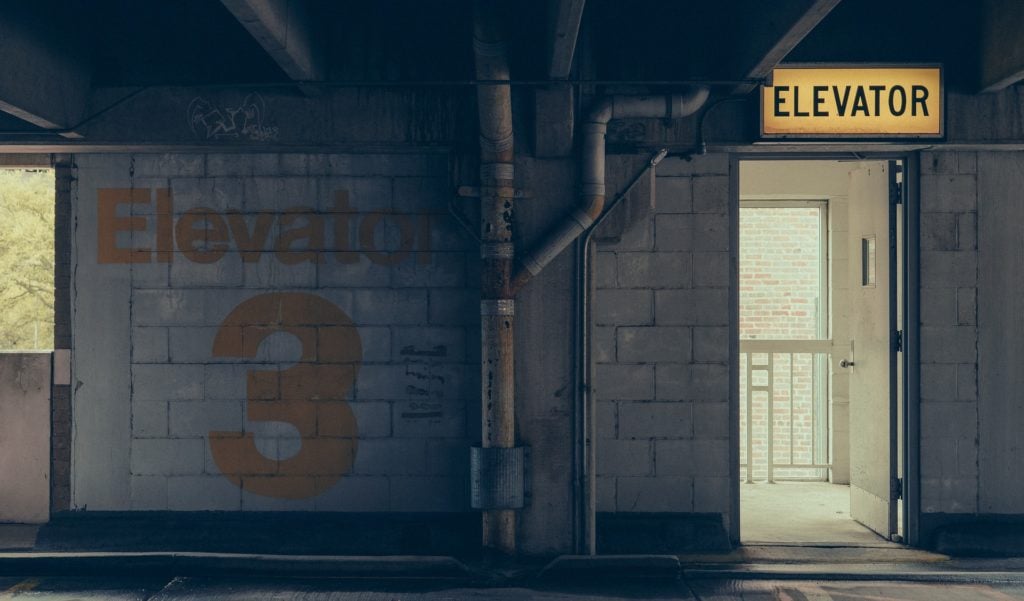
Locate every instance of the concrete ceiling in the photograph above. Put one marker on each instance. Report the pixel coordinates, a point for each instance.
(84, 45)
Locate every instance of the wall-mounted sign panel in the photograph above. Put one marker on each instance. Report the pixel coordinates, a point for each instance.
(838, 102)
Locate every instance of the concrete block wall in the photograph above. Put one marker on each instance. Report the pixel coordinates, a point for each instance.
(949, 332)
(154, 377)
(661, 344)
(998, 305)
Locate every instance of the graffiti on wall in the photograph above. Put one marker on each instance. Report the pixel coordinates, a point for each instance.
(247, 121)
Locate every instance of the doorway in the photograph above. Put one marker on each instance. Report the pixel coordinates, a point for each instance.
(820, 367)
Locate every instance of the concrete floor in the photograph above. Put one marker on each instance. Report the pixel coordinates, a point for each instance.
(800, 513)
(196, 589)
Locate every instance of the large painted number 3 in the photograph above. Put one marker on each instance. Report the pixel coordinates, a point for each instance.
(309, 395)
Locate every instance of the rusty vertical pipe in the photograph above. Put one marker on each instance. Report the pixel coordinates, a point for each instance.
(497, 307)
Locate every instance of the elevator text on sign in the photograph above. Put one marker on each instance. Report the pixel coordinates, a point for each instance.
(853, 102)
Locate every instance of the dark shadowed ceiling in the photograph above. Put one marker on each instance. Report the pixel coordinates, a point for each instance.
(201, 42)
(129, 43)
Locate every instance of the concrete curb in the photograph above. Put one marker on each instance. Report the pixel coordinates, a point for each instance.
(563, 569)
(851, 572)
(581, 568)
(191, 564)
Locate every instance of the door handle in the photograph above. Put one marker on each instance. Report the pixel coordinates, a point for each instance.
(845, 363)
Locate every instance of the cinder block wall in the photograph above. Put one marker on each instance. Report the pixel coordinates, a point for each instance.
(148, 389)
(997, 307)
(972, 282)
(150, 386)
(949, 332)
(661, 313)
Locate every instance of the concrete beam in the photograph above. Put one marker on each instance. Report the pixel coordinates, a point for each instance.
(565, 30)
(554, 109)
(285, 30)
(46, 78)
(376, 120)
(1002, 50)
(769, 45)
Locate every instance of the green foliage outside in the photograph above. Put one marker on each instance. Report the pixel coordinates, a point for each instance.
(26, 259)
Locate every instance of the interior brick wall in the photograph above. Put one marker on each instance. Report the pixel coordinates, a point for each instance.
(780, 299)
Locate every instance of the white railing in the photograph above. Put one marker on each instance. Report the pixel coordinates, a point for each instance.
(784, 389)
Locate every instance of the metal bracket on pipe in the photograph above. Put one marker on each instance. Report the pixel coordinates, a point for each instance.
(497, 250)
(474, 192)
(498, 306)
(497, 171)
(496, 478)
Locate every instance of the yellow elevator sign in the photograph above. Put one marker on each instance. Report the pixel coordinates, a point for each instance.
(838, 102)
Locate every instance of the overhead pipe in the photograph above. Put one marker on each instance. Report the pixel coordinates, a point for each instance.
(496, 478)
(592, 192)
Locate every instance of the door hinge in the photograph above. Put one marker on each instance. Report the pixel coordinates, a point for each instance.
(897, 341)
(897, 488)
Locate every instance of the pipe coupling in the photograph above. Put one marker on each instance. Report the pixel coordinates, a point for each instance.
(500, 145)
(595, 128)
(533, 265)
(497, 250)
(497, 171)
(684, 105)
(582, 218)
(493, 48)
(569, 230)
(497, 306)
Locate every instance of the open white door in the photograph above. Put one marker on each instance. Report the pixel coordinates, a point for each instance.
(871, 358)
